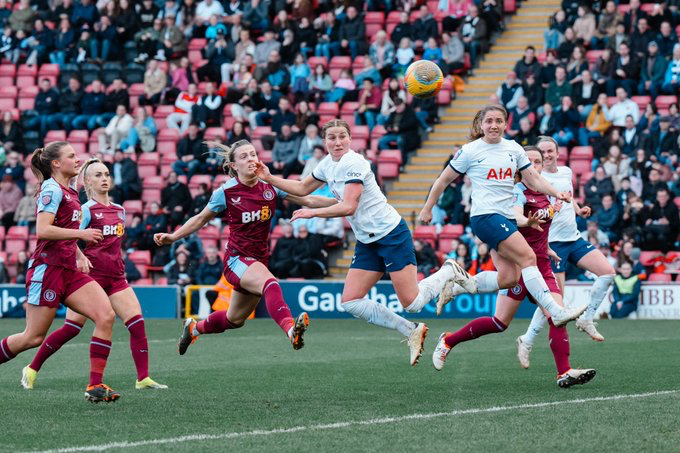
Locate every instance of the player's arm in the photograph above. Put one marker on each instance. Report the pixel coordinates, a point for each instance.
(346, 207)
(581, 211)
(290, 186)
(312, 201)
(190, 226)
(532, 221)
(535, 181)
(46, 231)
(82, 262)
(443, 181)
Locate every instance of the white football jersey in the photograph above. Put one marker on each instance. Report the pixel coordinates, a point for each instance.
(491, 168)
(374, 217)
(563, 228)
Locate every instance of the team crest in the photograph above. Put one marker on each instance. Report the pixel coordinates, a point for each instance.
(46, 198)
(516, 290)
(49, 295)
(266, 213)
(268, 195)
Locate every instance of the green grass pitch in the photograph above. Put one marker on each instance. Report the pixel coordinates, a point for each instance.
(351, 389)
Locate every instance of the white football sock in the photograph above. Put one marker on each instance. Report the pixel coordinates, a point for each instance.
(379, 315)
(487, 281)
(430, 287)
(195, 331)
(597, 293)
(535, 327)
(536, 286)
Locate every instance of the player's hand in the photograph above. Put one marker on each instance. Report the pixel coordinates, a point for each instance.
(91, 235)
(585, 212)
(534, 221)
(553, 256)
(425, 216)
(162, 239)
(262, 171)
(564, 196)
(83, 264)
(302, 214)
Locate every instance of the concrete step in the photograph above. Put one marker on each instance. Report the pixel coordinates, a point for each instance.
(422, 168)
(425, 176)
(344, 262)
(338, 271)
(412, 185)
(409, 201)
(426, 160)
(396, 194)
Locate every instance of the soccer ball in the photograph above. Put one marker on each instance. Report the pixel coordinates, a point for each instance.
(423, 79)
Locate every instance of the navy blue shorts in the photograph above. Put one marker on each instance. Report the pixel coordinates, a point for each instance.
(571, 252)
(492, 229)
(389, 254)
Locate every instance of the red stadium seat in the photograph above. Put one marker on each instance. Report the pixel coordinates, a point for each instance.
(17, 232)
(149, 159)
(664, 101)
(79, 136)
(212, 132)
(388, 170)
(361, 132)
(426, 233)
(146, 171)
(133, 207)
(359, 143)
(9, 92)
(330, 108)
(48, 69)
(658, 277)
(151, 195)
(7, 74)
(220, 179)
(341, 62)
(168, 134)
(7, 103)
(582, 153)
(444, 97)
(649, 257)
(509, 6)
(390, 155)
(152, 182)
(313, 62)
(261, 131)
(197, 180)
(167, 147)
(162, 111)
(209, 232)
(641, 101)
(580, 167)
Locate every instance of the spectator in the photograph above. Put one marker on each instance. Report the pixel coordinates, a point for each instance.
(64, 43)
(631, 137)
(68, 106)
(671, 81)
(264, 48)
(609, 217)
(10, 196)
(14, 169)
(318, 154)
(176, 200)
(453, 53)
(593, 234)
(626, 293)
(585, 25)
(585, 93)
(104, 39)
(4, 273)
(321, 84)
(118, 128)
(132, 274)
(566, 47)
(9, 46)
(283, 115)
(304, 117)
(663, 140)
(616, 166)
(604, 67)
(389, 95)
(184, 104)
(300, 74)
(330, 230)
(210, 268)
(85, 12)
(455, 11)
(426, 260)
(567, 121)
(91, 107)
(557, 26)
(172, 40)
(237, 133)
(510, 91)
(134, 232)
(45, 105)
(382, 54)
(558, 88)
(606, 27)
(547, 125)
(404, 57)
(533, 91)
(200, 201)
(474, 34)
(463, 256)
(625, 71)
(402, 128)
(446, 204)
(248, 102)
(369, 104)
(427, 112)
(244, 46)
(285, 153)
(576, 65)
(22, 17)
(425, 27)
(596, 123)
(155, 81)
(526, 134)
(276, 73)
(624, 107)
(126, 182)
(652, 185)
(143, 133)
(25, 212)
(368, 72)
(404, 29)
(11, 137)
(641, 37)
(208, 111)
(148, 41)
(267, 106)
(666, 39)
(329, 37)
(652, 71)
(307, 144)
(662, 224)
(182, 272)
(310, 258)
(189, 153)
(283, 260)
(597, 186)
(528, 64)
(344, 84)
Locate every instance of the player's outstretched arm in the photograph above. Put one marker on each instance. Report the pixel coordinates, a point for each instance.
(535, 181)
(346, 207)
(445, 178)
(290, 186)
(45, 230)
(192, 225)
(532, 221)
(312, 201)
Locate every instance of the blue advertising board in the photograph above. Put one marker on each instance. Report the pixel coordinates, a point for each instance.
(156, 301)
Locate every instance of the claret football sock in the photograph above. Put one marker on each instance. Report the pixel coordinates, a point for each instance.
(475, 329)
(55, 341)
(276, 305)
(139, 345)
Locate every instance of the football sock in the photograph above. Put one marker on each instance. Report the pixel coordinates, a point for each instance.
(215, 323)
(536, 286)
(99, 354)
(535, 327)
(276, 305)
(559, 344)
(139, 345)
(430, 287)
(597, 293)
(5, 354)
(379, 315)
(55, 341)
(487, 281)
(475, 329)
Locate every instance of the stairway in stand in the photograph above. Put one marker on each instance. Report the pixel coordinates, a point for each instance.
(407, 194)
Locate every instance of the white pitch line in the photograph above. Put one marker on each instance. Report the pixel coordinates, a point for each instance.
(375, 421)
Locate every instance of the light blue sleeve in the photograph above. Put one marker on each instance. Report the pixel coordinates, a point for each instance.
(86, 216)
(280, 193)
(218, 201)
(518, 197)
(49, 198)
(460, 163)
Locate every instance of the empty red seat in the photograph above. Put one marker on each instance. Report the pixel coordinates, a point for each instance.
(151, 195)
(132, 207)
(55, 136)
(388, 170)
(360, 132)
(197, 180)
(10, 91)
(341, 62)
(212, 132)
(580, 167)
(149, 159)
(444, 97)
(641, 101)
(140, 257)
(664, 101)
(152, 182)
(390, 155)
(7, 103)
(261, 131)
(313, 62)
(167, 147)
(79, 136)
(147, 171)
(209, 232)
(162, 111)
(581, 153)
(167, 134)
(329, 108)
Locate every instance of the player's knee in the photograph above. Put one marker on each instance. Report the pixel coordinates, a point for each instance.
(105, 318)
(34, 340)
(527, 259)
(507, 281)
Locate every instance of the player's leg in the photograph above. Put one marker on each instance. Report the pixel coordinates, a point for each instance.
(73, 324)
(516, 249)
(91, 301)
(506, 307)
(38, 321)
(126, 305)
(595, 262)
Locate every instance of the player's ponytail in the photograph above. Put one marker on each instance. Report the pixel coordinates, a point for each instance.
(476, 128)
(83, 173)
(227, 152)
(41, 161)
